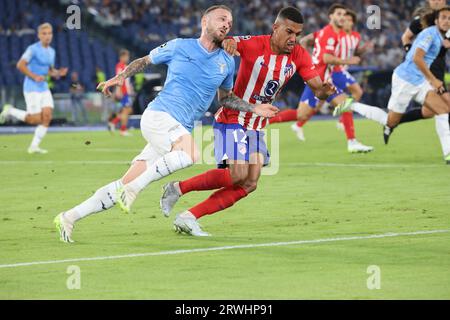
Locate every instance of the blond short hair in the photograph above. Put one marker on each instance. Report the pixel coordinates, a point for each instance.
(45, 25)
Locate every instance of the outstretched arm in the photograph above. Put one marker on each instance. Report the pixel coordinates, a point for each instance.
(322, 90)
(134, 67)
(229, 100)
(419, 60)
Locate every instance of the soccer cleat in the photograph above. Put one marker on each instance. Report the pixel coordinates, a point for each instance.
(32, 150)
(298, 131)
(354, 146)
(4, 113)
(447, 159)
(387, 131)
(125, 198)
(187, 223)
(169, 197)
(343, 107)
(64, 228)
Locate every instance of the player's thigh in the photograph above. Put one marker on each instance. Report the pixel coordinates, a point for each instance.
(238, 170)
(436, 103)
(402, 93)
(165, 134)
(187, 144)
(254, 172)
(355, 90)
(230, 144)
(305, 111)
(338, 99)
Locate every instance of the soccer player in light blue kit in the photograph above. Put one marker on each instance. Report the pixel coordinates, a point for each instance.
(36, 63)
(414, 80)
(197, 68)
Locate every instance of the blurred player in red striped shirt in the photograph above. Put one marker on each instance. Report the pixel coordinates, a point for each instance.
(267, 63)
(122, 94)
(335, 47)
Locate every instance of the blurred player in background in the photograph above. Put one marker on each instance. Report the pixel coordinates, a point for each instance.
(413, 80)
(169, 119)
(123, 95)
(268, 62)
(36, 63)
(330, 55)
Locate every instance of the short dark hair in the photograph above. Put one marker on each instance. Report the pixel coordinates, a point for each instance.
(215, 7)
(438, 12)
(291, 13)
(352, 14)
(335, 7)
(123, 52)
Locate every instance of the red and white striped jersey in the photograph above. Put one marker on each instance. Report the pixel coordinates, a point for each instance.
(326, 40)
(348, 44)
(261, 76)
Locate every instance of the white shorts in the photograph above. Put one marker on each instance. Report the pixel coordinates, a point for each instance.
(160, 130)
(403, 92)
(37, 100)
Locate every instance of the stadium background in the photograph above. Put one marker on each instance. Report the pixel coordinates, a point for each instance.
(140, 25)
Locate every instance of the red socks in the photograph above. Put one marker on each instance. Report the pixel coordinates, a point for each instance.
(123, 127)
(210, 180)
(219, 200)
(347, 121)
(284, 116)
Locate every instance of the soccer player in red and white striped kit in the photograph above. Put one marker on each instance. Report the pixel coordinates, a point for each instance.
(334, 49)
(267, 63)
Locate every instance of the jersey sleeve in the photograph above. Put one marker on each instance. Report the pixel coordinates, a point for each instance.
(227, 83)
(305, 66)
(28, 54)
(415, 26)
(163, 53)
(425, 40)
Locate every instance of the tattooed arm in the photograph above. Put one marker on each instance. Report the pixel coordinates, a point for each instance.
(134, 67)
(229, 100)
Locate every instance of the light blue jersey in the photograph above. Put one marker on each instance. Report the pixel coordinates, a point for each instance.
(430, 40)
(193, 77)
(40, 60)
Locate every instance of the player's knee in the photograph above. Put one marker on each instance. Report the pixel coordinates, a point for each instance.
(46, 117)
(357, 94)
(238, 174)
(250, 185)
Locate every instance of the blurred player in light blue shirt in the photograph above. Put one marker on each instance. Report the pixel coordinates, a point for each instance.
(430, 41)
(197, 70)
(413, 80)
(36, 63)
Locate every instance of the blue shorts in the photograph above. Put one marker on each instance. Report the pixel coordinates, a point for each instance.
(125, 101)
(309, 97)
(233, 142)
(342, 80)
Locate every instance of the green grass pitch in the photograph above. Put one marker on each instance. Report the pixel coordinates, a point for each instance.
(320, 192)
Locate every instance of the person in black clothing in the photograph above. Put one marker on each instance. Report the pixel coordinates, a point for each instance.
(423, 18)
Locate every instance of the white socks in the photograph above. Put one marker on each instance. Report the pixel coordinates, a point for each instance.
(39, 134)
(369, 112)
(17, 113)
(443, 131)
(103, 199)
(167, 164)
(106, 197)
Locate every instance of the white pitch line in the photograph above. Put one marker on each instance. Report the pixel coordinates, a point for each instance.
(288, 164)
(244, 246)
